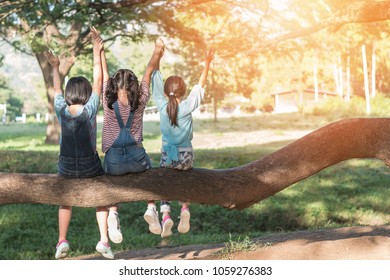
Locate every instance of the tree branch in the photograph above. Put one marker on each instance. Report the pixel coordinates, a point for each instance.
(356, 12)
(238, 187)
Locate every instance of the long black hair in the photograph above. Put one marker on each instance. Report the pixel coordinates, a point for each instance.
(123, 79)
(174, 87)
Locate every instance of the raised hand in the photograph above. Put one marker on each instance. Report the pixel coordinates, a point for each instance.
(209, 56)
(53, 59)
(160, 46)
(97, 41)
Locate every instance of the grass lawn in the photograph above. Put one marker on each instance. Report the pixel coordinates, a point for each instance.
(350, 193)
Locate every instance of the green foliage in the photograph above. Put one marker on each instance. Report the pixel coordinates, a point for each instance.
(245, 245)
(380, 105)
(336, 106)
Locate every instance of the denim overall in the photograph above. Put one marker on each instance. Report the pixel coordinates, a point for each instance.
(78, 158)
(125, 155)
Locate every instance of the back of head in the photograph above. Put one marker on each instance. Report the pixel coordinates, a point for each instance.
(123, 79)
(78, 90)
(174, 87)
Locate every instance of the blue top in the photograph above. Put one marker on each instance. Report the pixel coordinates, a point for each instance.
(180, 136)
(92, 107)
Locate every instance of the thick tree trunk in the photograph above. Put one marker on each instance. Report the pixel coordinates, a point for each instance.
(237, 187)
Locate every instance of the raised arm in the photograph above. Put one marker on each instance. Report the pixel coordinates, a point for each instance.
(208, 58)
(157, 67)
(97, 43)
(154, 60)
(55, 64)
(103, 59)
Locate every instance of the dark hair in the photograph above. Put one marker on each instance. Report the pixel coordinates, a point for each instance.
(123, 79)
(77, 91)
(177, 86)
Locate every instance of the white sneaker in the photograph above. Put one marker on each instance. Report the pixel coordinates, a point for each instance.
(62, 249)
(184, 224)
(114, 230)
(167, 225)
(151, 217)
(105, 250)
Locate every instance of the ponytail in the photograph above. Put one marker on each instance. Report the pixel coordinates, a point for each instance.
(111, 92)
(174, 87)
(172, 109)
(131, 85)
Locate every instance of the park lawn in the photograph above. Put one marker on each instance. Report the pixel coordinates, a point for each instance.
(347, 194)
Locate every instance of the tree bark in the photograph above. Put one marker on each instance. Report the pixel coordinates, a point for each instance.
(237, 188)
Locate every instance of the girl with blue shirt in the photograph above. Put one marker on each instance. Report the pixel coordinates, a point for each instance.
(76, 113)
(177, 133)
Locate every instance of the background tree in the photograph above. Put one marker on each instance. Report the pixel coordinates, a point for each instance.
(34, 26)
(13, 103)
(241, 27)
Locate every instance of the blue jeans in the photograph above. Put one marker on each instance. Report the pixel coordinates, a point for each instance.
(125, 155)
(85, 167)
(119, 161)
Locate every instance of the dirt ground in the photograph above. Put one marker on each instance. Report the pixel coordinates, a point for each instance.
(351, 243)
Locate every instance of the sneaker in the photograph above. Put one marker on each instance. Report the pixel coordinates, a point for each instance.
(62, 249)
(105, 250)
(151, 217)
(167, 225)
(184, 224)
(114, 230)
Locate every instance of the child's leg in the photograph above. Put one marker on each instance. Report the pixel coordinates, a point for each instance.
(101, 217)
(167, 223)
(64, 217)
(184, 224)
(103, 246)
(114, 230)
(151, 217)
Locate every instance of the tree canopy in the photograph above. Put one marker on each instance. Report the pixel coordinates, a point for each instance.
(247, 34)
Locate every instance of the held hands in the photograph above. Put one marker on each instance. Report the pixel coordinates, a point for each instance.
(160, 47)
(97, 41)
(53, 59)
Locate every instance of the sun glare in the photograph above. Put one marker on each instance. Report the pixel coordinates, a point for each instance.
(279, 4)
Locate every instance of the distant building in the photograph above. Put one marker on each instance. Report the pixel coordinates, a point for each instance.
(290, 101)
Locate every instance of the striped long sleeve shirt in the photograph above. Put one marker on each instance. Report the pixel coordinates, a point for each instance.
(110, 124)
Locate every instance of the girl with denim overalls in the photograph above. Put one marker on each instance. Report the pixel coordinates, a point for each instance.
(177, 131)
(78, 158)
(124, 102)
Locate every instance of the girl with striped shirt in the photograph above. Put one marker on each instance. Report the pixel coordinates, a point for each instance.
(124, 101)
